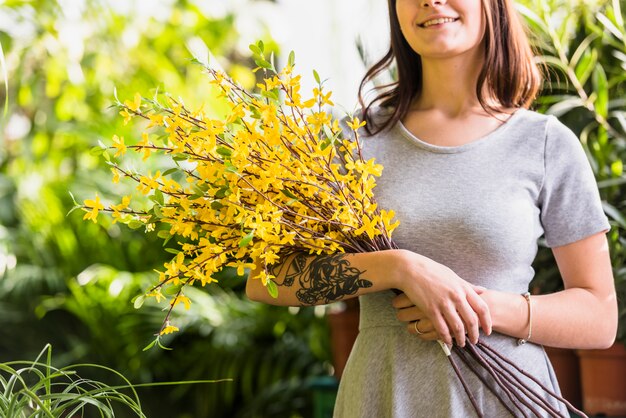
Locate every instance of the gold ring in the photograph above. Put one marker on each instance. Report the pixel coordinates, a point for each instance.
(417, 330)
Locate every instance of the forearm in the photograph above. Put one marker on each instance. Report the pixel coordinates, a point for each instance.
(315, 280)
(572, 318)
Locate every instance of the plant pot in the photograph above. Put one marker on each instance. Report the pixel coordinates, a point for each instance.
(344, 328)
(567, 369)
(603, 375)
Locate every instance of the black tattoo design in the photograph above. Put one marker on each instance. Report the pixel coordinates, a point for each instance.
(324, 278)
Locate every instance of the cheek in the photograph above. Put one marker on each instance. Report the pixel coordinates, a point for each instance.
(403, 12)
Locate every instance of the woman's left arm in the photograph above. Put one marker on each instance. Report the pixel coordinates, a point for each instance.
(583, 315)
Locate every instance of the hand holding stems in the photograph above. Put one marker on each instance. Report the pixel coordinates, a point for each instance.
(447, 306)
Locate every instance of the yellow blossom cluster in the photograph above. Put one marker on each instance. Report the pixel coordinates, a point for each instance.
(277, 174)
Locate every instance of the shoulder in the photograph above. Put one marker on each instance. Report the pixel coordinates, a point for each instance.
(554, 129)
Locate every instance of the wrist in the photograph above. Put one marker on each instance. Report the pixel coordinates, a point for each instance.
(509, 312)
(407, 266)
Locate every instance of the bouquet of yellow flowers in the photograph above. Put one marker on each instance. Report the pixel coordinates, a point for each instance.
(276, 175)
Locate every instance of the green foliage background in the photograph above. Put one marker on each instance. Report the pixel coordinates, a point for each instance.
(69, 283)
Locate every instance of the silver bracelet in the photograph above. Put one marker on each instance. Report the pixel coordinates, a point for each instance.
(523, 341)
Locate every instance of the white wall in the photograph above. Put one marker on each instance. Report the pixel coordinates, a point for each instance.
(323, 34)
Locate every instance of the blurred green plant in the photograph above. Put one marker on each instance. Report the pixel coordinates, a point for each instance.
(582, 44)
(70, 283)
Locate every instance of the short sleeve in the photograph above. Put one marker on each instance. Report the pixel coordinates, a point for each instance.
(569, 199)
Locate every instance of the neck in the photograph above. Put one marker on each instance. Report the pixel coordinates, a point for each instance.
(449, 84)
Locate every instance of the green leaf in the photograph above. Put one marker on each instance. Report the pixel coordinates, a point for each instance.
(172, 251)
(272, 289)
(255, 49)
(246, 239)
(292, 59)
(223, 151)
(289, 194)
(554, 61)
(164, 234)
(180, 157)
(223, 192)
(614, 213)
(600, 87)
(216, 205)
(263, 63)
(231, 168)
(261, 46)
(270, 94)
(158, 195)
(170, 171)
(617, 168)
(135, 224)
(149, 346)
(610, 26)
(138, 301)
(566, 105)
(586, 65)
(96, 151)
(532, 17)
(316, 76)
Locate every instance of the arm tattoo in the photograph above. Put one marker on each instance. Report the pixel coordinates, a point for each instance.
(325, 278)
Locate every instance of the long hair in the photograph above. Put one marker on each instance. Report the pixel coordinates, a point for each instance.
(509, 73)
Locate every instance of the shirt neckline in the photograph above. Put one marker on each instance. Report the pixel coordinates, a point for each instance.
(459, 148)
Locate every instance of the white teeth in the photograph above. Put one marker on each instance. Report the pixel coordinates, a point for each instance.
(437, 21)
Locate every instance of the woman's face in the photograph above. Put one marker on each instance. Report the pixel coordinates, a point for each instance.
(461, 30)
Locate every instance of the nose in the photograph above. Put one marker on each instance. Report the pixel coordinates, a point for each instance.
(432, 3)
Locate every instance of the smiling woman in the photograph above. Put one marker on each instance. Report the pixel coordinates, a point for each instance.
(475, 178)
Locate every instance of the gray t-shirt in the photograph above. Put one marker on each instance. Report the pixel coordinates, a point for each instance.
(479, 209)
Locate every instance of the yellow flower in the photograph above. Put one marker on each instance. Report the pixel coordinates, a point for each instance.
(145, 145)
(119, 145)
(169, 329)
(157, 295)
(147, 183)
(355, 123)
(134, 105)
(324, 98)
(127, 116)
(117, 209)
(265, 277)
(241, 266)
(155, 120)
(116, 175)
(95, 206)
(181, 298)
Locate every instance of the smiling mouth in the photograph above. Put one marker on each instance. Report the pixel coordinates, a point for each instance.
(437, 22)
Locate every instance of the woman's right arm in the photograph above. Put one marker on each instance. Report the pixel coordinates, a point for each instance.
(450, 302)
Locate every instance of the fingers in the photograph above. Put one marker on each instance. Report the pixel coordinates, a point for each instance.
(426, 330)
(410, 314)
(470, 321)
(441, 327)
(401, 301)
(455, 324)
(478, 289)
(480, 307)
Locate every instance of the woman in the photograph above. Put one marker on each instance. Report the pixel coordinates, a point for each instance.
(475, 179)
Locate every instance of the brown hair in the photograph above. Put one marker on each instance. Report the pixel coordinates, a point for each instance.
(509, 72)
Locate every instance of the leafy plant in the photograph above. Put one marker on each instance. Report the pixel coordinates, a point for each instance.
(37, 389)
(583, 47)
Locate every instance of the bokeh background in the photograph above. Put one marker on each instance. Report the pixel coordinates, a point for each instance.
(69, 283)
